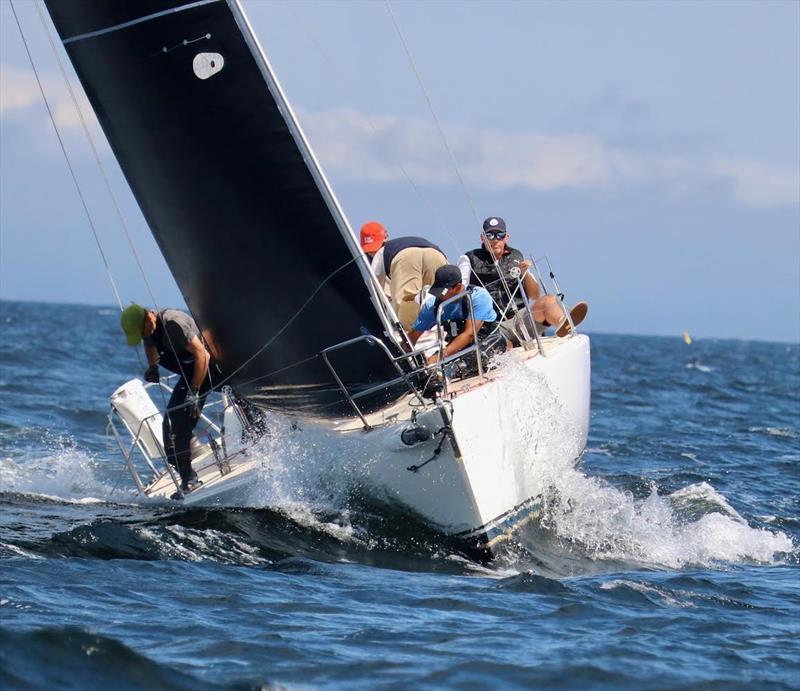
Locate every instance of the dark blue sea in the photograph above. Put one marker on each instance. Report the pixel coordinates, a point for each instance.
(670, 559)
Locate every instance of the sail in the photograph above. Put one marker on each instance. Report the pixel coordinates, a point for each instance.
(232, 194)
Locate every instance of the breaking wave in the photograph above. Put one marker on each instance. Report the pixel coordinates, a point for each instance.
(57, 467)
(307, 501)
(590, 518)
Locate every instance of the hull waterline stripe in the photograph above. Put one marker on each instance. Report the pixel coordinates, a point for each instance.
(526, 505)
(140, 20)
(501, 528)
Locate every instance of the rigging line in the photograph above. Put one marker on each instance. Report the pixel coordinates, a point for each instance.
(440, 221)
(290, 321)
(432, 110)
(278, 371)
(467, 195)
(106, 180)
(66, 156)
(304, 147)
(385, 303)
(453, 161)
(370, 124)
(97, 158)
(399, 332)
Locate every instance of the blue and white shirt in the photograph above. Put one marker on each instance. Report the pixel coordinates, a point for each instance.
(456, 311)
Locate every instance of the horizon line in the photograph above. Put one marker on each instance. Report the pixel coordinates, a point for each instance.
(596, 333)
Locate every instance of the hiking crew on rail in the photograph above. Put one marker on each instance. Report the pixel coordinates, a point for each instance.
(459, 329)
(498, 267)
(172, 340)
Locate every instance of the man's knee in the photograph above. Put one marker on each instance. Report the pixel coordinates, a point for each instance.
(539, 310)
(546, 309)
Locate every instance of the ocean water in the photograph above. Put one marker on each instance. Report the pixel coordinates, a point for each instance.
(669, 559)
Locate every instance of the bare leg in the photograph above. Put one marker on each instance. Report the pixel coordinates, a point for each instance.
(547, 309)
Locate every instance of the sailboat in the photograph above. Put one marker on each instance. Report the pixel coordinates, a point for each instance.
(273, 274)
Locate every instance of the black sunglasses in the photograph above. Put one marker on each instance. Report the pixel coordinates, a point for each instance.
(495, 234)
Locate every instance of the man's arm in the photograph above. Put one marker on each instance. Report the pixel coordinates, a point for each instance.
(151, 353)
(530, 284)
(425, 320)
(151, 373)
(465, 267)
(377, 266)
(201, 358)
(413, 336)
(463, 340)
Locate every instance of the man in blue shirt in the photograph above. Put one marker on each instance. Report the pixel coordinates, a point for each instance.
(459, 328)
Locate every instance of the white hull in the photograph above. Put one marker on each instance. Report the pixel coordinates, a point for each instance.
(504, 431)
(534, 413)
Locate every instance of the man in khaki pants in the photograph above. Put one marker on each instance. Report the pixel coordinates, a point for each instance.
(407, 263)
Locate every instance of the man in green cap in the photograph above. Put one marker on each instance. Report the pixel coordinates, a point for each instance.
(171, 339)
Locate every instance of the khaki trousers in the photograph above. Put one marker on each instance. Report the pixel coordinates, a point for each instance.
(412, 268)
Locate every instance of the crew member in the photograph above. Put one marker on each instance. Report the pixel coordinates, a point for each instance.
(459, 329)
(495, 265)
(172, 340)
(407, 263)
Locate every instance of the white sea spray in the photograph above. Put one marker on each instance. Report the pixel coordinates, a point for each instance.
(306, 472)
(58, 468)
(695, 525)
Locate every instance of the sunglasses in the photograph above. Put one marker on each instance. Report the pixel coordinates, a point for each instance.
(495, 234)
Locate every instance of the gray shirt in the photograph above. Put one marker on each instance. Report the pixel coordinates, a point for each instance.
(173, 332)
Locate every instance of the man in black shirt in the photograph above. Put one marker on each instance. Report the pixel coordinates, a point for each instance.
(495, 266)
(172, 340)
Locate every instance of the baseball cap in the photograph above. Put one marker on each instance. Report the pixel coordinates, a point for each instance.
(445, 278)
(494, 223)
(373, 235)
(131, 320)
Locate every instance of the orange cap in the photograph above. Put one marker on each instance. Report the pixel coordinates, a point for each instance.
(373, 235)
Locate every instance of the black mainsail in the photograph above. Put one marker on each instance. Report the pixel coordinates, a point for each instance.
(231, 192)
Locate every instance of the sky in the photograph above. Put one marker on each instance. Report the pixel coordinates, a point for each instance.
(649, 150)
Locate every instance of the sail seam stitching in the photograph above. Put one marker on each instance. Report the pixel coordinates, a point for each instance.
(140, 20)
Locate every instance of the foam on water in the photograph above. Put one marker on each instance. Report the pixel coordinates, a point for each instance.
(303, 474)
(308, 473)
(58, 469)
(650, 591)
(775, 431)
(692, 526)
(299, 469)
(699, 366)
(190, 544)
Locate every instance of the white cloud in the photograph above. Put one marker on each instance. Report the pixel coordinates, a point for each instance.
(373, 148)
(19, 93)
(758, 185)
(18, 89)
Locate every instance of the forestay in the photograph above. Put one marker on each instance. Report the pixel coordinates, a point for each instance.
(231, 192)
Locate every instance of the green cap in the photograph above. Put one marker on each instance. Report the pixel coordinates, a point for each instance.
(132, 320)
